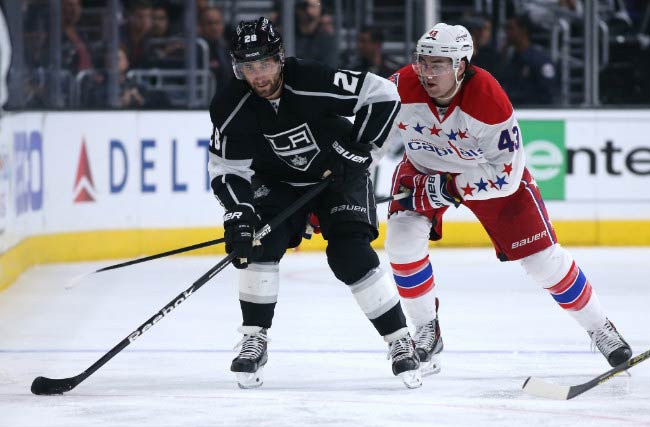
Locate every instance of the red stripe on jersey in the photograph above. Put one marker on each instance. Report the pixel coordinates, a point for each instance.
(567, 281)
(416, 291)
(409, 268)
(581, 301)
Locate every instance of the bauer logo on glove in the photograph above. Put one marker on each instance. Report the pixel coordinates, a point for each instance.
(356, 158)
(429, 192)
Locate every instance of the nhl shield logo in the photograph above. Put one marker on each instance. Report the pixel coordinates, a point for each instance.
(296, 147)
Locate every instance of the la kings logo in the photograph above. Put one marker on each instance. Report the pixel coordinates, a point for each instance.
(296, 147)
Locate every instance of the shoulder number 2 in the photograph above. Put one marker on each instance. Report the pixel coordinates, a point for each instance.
(346, 81)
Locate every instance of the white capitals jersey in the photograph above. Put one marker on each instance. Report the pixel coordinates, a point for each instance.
(477, 139)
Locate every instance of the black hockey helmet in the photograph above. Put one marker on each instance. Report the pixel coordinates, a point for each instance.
(255, 40)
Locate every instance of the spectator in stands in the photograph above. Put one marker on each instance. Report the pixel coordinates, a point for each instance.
(136, 32)
(75, 54)
(201, 6)
(160, 51)
(528, 75)
(211, 29)
(370, 41)
(37, 58)
(312, 40)
(131, 94)
(159, 21)
(327, 23)
(485, 56)
(545, 13)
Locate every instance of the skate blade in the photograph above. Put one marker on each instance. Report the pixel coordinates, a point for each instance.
(247, 380)
(431, 367)
(411, 379)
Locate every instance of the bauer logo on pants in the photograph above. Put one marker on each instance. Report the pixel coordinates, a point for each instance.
(296, 147)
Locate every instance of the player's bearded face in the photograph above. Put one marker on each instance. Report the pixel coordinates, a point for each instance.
(436, 74)
(263, 76)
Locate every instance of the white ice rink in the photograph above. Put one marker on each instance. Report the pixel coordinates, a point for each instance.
(327, 365)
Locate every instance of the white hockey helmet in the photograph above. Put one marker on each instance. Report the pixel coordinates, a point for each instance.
(449, 41)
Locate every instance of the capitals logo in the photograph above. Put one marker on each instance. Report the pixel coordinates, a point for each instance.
(433, 34)
(394, 78)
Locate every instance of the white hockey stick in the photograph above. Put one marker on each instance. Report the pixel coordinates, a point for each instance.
(542, 388)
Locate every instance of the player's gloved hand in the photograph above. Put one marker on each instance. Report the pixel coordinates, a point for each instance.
(350, 162)
(312, 227)
(429, 191)
(239, 224)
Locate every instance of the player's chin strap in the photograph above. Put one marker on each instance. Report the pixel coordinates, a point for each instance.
(458, 83)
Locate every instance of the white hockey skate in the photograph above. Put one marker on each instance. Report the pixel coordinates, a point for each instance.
(248, 366)
(611, 344)
(428, 345)
(405, 361)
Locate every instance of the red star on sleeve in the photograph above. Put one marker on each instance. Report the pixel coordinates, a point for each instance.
(402, 126)
(507, 168)
(462, 134)
(492, 185)
(468, 190)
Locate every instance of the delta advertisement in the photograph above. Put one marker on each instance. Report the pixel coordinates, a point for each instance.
(85, 171)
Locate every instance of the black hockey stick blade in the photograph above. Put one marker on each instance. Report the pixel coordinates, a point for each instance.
(50, 386)
(542, 388)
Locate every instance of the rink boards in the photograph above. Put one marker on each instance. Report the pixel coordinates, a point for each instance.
(96, 185)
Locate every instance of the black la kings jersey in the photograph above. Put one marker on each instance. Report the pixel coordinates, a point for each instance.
(294, 143)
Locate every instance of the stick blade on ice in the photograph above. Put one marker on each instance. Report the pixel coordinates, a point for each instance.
(541, 388)
(48, 386)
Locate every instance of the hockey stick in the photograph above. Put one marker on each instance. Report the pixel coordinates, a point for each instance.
(49, 386)
(384, 199)
(79, 278)
(542, 388)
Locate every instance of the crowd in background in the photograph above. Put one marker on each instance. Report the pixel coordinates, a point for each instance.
(151, 37)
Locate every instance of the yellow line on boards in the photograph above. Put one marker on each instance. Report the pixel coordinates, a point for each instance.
(126, 244)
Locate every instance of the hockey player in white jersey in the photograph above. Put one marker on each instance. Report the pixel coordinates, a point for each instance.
(463, 146)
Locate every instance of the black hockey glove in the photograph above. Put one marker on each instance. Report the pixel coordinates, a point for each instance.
(239, 224)
(349, 163)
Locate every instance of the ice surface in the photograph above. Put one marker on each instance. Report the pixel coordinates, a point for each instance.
(327, 365)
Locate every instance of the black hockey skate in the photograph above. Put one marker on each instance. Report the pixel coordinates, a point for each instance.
(248, 366)
(611, 344)
(405, 360)
(428, 345)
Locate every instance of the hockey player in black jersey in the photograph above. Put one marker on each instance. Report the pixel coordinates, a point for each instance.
(278, 129)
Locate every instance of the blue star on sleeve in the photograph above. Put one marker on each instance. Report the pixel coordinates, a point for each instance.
(501, 181)
(482, 185)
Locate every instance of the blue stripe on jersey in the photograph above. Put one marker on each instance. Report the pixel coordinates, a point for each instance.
(415, 278)
(573, 291)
